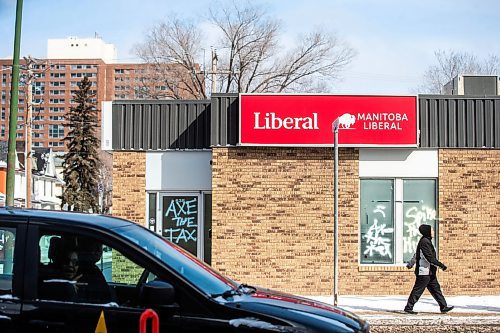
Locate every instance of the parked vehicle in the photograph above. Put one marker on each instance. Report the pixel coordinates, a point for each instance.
(60, 271)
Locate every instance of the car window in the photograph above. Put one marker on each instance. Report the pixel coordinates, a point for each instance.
(7, 243)
(195, 271)
(81, 269)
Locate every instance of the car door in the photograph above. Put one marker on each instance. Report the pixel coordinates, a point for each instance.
(12, 242)
(53, 304)
(60, 304)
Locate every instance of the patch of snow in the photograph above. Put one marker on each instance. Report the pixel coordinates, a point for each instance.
(388, 304)
(251, 322)
(8, 296)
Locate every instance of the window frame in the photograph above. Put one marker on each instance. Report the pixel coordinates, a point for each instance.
(38, 227)
(398, 216)
(18, 278)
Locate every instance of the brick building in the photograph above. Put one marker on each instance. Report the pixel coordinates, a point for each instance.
(263, 214)
(57, 78)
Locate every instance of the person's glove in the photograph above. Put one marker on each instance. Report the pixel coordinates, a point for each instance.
(409, 265)
(444, 267)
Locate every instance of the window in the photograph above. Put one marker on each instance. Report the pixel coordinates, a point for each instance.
(38, 126)
(81, 75)
(37, 144)
(57, 75)
(81, 269)
(7, 243)
(391, 212)
(56, 109)
(60, 67)
(56, 144)
(37, 135)
(83, 66)
(57, 101)
(57, 84)
(56, 131)
(56, 118)
(56, 92)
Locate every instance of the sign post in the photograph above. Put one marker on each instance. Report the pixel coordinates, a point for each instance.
(335, 129)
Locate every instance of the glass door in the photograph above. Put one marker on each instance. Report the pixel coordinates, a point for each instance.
(180, 220)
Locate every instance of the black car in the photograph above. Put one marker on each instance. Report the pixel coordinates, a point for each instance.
(72, 272)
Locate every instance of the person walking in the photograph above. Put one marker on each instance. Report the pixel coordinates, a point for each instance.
(425, 271)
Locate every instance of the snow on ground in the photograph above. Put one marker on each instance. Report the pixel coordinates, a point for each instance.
(473, 310)
(462, 304)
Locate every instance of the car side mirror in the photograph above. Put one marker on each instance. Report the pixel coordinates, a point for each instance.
(157, 293)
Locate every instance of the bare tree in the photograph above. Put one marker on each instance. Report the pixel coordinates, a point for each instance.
(170, 49)
(452, 63)
(250, 58)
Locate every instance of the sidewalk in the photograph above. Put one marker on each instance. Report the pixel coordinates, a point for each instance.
(388, 310)
(426, 304)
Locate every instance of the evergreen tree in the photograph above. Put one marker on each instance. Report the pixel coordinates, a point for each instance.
(81, 162)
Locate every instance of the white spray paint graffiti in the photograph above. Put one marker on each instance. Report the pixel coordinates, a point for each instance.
(375, 240)
(415, 216)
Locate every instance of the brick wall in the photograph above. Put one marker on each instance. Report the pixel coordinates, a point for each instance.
(273, 222)
(273, 215)
(469, 206)
(129, 186)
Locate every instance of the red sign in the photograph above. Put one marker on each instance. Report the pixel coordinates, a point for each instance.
(306, 120)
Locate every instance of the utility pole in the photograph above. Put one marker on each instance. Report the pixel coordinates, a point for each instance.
(14, 100)
(29, 123)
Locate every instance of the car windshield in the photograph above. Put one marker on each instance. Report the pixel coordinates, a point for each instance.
(186, 265)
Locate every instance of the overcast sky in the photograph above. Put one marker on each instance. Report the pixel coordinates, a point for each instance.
(395, 40)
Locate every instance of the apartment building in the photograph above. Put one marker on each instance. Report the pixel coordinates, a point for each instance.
(56, 80)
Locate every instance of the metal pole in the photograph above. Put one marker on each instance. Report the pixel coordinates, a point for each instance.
(336, 216)
(29, 116)
(14, 100)
(214, 71)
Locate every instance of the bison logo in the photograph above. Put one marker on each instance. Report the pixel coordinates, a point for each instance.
(346, 120)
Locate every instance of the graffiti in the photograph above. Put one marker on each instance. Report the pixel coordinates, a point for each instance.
(180, 219)
(177, 235)
(5, 236)
(415, 216)
(376, 243)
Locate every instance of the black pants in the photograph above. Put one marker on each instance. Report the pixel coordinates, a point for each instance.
(431, 283)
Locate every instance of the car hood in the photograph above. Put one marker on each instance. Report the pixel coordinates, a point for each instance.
(298, 311)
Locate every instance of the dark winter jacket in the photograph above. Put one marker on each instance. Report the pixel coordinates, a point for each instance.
(425, 255)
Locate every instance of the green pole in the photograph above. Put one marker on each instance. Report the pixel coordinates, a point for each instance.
(14, 100)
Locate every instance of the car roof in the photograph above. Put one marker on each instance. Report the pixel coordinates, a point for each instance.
(63, 217)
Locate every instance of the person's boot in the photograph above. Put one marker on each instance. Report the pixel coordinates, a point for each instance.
(410, 311)
(447, 309)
